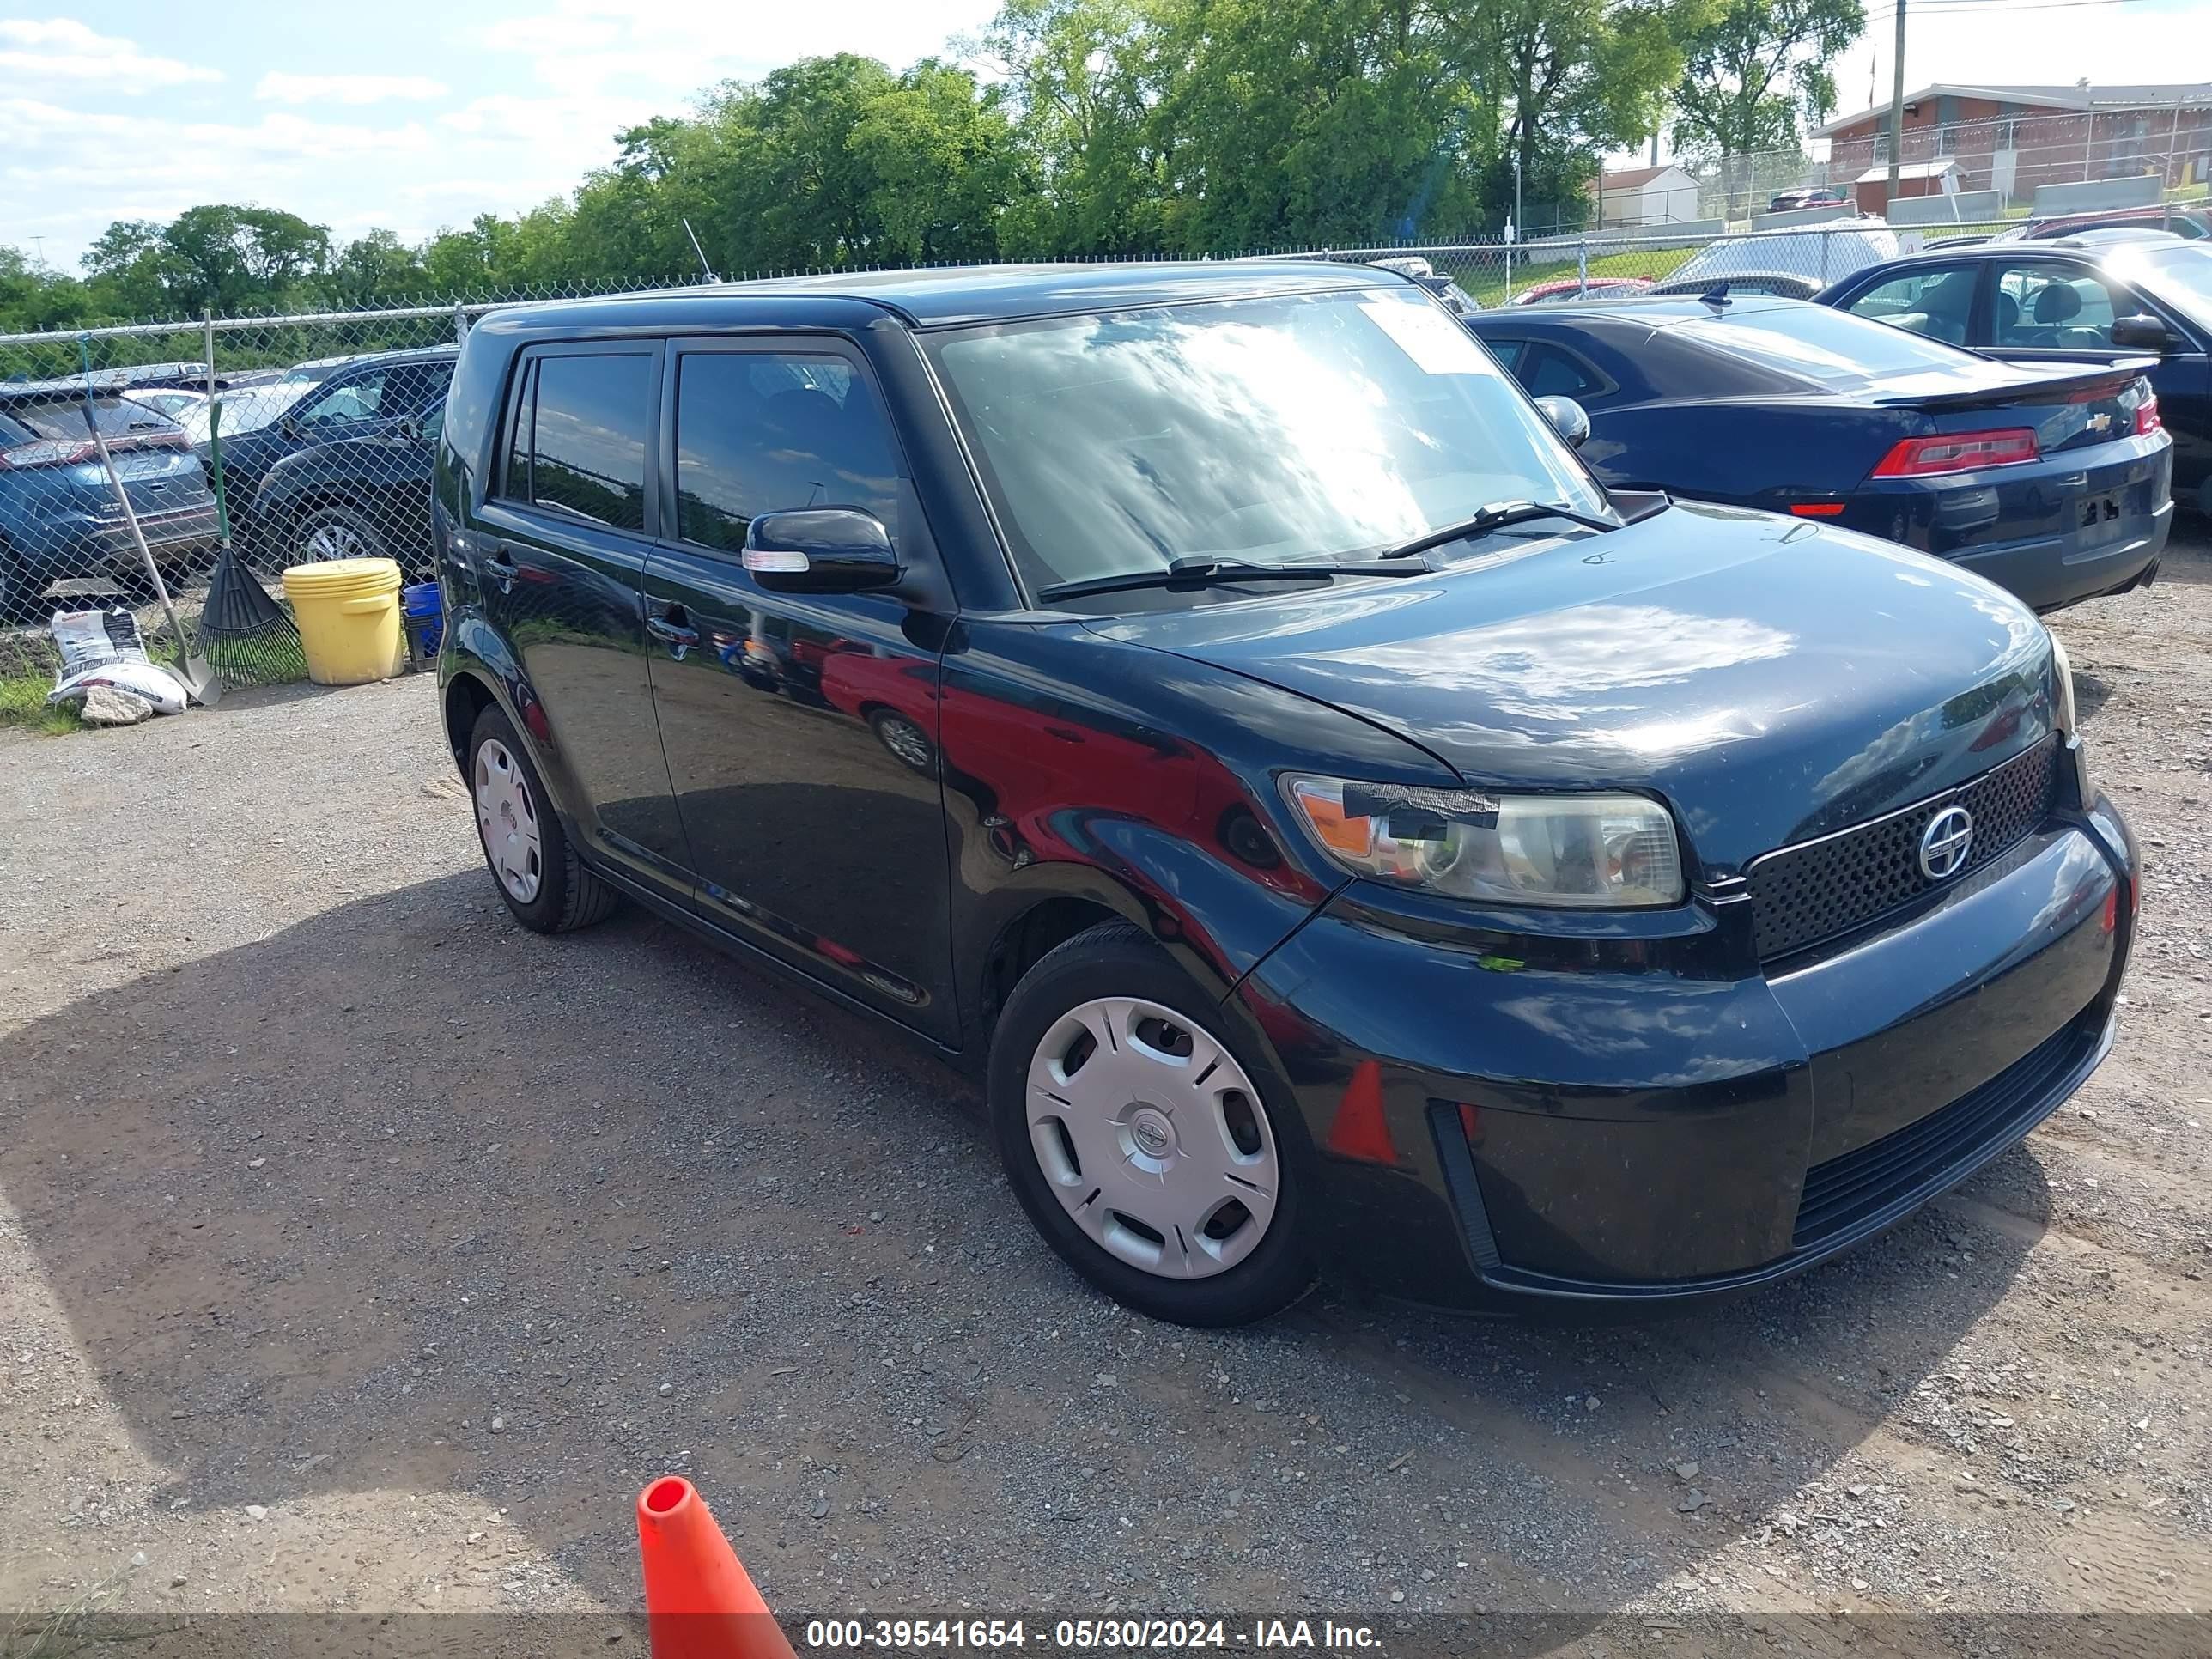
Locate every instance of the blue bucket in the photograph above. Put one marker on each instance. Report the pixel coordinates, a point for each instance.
(424, 608)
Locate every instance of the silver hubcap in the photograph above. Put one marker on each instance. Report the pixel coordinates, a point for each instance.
(506, 821)
(336, 541)
(905, 739)
(1152, 1138)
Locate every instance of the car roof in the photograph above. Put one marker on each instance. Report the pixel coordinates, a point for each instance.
(406, 354)
(2061, 248)
(949, 296)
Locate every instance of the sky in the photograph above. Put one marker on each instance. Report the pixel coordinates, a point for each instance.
(413, 115)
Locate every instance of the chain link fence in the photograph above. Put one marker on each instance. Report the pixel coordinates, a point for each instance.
(328, 423)
(324, 426)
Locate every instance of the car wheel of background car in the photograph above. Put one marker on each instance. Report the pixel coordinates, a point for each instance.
(906, 741)
(336, 531)
(1140, 1139)
(536, 869)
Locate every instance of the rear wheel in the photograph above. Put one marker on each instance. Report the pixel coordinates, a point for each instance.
(1138, 1135)
(536, 869)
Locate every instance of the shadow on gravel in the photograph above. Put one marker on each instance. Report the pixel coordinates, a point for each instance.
(405, 1198)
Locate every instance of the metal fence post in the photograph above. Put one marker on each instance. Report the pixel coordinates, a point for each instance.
(1825, 235)
(461, 324)
(207, 348)
(1582, 266)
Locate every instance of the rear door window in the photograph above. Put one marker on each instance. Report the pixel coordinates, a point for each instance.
(1937, 300)
(2052, 307)
(589, 419)
(765, 432)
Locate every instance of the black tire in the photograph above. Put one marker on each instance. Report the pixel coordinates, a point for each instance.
(1117, 959)
(568, 895)
(332, 525)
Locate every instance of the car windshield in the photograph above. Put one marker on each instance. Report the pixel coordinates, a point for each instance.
(1826, 253)
(2181, 276)
(245, 408)
(1284, 429)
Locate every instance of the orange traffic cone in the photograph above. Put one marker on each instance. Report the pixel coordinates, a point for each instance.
(698, 1602)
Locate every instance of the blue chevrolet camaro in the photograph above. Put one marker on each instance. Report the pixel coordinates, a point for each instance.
(2053, 480)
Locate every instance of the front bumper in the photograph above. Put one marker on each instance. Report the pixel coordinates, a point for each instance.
(1505, 1123)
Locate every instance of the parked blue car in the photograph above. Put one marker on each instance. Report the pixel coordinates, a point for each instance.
(2053, 483)
(60, 526)
(2059, 303)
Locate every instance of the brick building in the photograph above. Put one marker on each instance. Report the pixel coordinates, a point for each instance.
(2012, 138)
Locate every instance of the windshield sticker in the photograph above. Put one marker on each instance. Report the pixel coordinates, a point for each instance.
(1427, 334)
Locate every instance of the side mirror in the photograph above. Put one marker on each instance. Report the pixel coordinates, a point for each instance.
(820, 550)
(409, 428)
(2142, 333)
(1568, 419)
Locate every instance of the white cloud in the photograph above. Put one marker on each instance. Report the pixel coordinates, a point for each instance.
(62, 49)
(279, 87)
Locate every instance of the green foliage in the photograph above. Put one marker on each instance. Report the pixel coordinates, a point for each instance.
(1106, 127)
(1752, 68)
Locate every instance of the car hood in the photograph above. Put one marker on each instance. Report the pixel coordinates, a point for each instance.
(1772, 679)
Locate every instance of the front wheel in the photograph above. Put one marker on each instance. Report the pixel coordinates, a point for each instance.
(1140, 1141)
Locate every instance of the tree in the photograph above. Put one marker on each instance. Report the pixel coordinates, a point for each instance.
(1084, 77)
(35, 297)
(1289, 122)
(220, 258)
(378, 269)
(1571, 80)
(1754, 67)
(942, 161)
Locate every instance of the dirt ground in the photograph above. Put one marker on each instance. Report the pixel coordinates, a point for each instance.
(361, 1252)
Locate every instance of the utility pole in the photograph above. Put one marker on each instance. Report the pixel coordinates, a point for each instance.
(1896, 109)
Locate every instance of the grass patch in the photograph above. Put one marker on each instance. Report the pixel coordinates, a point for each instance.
(1489, 288)
(23, 705)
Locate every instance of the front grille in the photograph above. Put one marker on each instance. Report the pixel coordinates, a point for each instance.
(1802, 895)
(1846, 1191)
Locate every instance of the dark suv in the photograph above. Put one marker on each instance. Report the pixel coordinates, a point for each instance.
(1214, 703)
(372, 397)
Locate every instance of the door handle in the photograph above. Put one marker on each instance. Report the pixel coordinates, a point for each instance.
(501, 570)
(672, 631)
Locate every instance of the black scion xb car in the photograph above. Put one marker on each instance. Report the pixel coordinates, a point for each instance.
(1213, 703)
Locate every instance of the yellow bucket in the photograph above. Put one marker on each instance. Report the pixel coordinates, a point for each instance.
(348, 611)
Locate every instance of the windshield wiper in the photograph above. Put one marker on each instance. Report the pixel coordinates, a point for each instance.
(1201, 572)
(1497, 516)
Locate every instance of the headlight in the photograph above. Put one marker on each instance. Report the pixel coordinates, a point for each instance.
(1590, 852)
(2064, 716)
(2061, 670)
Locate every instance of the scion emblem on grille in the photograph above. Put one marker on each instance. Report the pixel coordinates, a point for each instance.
(1945, 842)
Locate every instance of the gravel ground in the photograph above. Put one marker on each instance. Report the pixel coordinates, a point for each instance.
(359, 1251)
